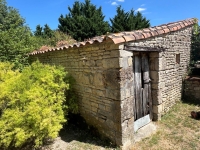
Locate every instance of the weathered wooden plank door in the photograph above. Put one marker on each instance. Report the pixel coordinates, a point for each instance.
(142, 87)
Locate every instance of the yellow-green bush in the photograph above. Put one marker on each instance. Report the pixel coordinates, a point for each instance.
(31, 101)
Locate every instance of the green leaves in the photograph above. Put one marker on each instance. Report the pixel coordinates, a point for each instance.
(83, 21)
(195, 45)
(128, 21)
(16, 39)
(31, 104)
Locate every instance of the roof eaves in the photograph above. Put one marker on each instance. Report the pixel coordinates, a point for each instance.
(122, 37)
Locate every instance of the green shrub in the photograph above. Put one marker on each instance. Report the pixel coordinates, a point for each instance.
(31, 104)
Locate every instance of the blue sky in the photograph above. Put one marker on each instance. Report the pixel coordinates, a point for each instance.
(157, 11)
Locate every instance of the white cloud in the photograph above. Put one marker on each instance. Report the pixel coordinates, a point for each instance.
(120, 0)
(140, 9)
(114, 3)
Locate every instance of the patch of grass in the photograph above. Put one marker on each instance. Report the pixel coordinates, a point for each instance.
(176, 130)
(154, 139)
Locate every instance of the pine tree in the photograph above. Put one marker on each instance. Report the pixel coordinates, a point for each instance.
(83, 21)
(141, 22)
(48, 33)
(38, 31)
(127, 21)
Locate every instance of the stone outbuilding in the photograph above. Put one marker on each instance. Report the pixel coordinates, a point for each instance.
(128, 79)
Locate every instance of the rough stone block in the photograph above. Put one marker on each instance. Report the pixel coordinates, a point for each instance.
(156, 97)
(130, 61)
(93, 104)
(114, 53)
(111, 63)
(98, 79)
(154, 76)
(113, 94)
(98, 92)
(157, 108)
(124, 53)
(87, 89)
(111, 78)
(102, 107)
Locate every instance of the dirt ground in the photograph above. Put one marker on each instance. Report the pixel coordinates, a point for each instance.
(176, 131)
(77, 135)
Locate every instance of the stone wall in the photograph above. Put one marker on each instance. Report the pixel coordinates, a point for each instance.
(192, 89)
(167, 67)
(105, 81)
(96, 69)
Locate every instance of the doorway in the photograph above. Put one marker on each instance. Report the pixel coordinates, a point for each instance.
(142, 89)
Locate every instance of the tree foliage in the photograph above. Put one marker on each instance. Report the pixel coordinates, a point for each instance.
(9, 17)
(47, 36)
(45, 32)
(83, 21)
(31, 104)
(15, 37)
(127, 21)
(38, 31)
(195, 45)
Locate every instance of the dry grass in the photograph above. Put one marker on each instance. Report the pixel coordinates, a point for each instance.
(176, 131)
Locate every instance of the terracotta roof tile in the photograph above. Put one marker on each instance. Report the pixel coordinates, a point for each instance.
(129, 38)
(118, 40)
(154, 32)
(185, 23)
(160, 31)
(122, 37)
(166, 30)
(138, 35)
(146, 34)
(146, 30)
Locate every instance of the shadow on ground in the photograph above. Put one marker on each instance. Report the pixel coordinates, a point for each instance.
(77, 130)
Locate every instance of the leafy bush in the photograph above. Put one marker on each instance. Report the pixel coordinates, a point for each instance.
(195, 45)
(31, 104)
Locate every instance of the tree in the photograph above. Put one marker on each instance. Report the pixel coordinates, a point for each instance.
(15, 37)
(9, 17)
(83, 21)
(48, 37)
(48, 33)
(195, 45)
(127, 21)
(38, 31)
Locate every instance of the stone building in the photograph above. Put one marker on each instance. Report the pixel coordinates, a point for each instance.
(128, 79)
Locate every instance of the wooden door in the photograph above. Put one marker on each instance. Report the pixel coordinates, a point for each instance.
(142, 87)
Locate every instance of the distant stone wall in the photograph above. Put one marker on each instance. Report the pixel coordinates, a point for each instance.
(192, 89)
(96, 69)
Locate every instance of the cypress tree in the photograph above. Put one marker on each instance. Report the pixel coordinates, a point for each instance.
(48, 33)
(127, 21)
(83, 21)
(38, 31)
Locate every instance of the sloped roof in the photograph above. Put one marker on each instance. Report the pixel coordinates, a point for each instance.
(122, 37)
